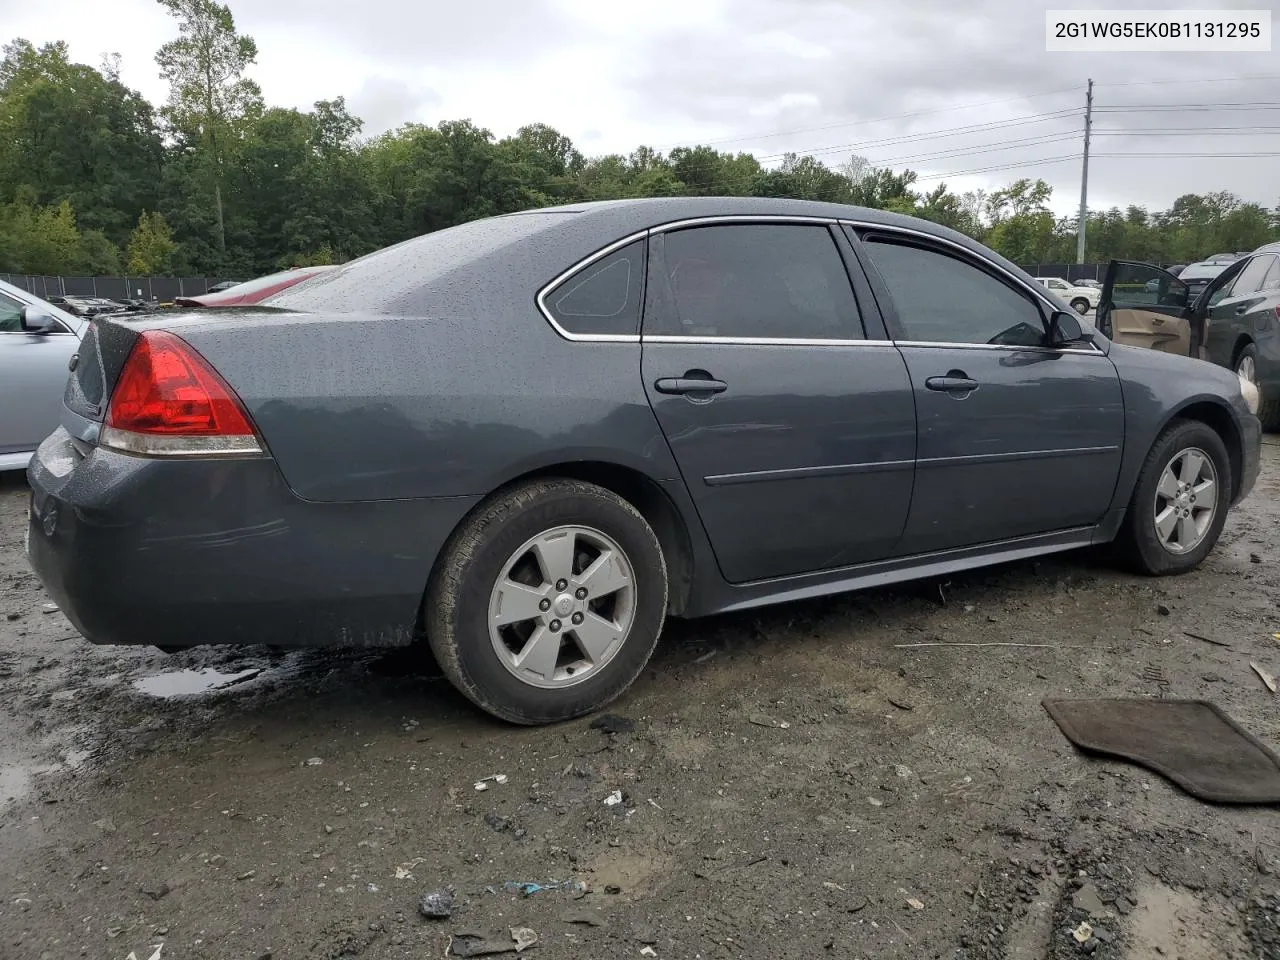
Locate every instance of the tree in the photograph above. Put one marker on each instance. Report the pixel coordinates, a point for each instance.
(210, 99)
(151, 246)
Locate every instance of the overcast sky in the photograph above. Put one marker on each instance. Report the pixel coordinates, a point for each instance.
(829, 77)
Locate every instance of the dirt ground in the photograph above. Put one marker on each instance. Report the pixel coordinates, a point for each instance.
(793, 784)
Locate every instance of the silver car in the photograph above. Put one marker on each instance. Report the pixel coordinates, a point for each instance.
(37, 342)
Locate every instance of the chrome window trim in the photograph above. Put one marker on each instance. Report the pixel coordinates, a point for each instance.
(549, 288)
(767, 341)
(1085, 348)
(745, 218)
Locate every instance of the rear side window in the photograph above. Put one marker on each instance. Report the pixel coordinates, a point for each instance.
(1272, 280)
(1252, 276)
(604, 297)
(754, 281)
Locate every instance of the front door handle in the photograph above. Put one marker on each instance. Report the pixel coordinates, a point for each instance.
(1241, 310)
(678, 385)
(954, 382)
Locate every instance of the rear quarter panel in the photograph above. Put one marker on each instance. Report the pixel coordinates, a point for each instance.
(472, 391)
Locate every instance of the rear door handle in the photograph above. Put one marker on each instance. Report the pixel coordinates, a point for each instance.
(951, 384)
(679, 385)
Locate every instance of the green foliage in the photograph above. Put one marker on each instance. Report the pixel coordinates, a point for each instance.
(151, 246)
(216, 183)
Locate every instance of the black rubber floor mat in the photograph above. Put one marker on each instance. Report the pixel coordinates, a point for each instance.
(1190, 742)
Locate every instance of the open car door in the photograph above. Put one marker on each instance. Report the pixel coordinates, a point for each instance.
(1143, 305)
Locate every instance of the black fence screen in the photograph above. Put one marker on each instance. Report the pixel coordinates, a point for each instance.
(114, 288)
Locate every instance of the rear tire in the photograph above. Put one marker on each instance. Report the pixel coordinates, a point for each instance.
(1080, 305)
(1268, 405)
(1166, 531)
(547, 559)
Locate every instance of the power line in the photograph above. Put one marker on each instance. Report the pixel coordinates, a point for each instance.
(1152, 83)
(948, 131)
(900, 116)
(1029, 164)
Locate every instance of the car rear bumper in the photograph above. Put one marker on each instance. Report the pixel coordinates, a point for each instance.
(180, 553)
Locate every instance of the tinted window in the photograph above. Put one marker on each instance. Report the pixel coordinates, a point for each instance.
(1251, 277)
(941, 299)
(757, 280)
(10, 315)
(1272, 280)
(603, 297)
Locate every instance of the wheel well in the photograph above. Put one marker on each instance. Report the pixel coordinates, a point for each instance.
(652, 502)
(1220, 422)
(1243, 341)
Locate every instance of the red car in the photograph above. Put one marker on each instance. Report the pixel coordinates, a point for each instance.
(252, 291)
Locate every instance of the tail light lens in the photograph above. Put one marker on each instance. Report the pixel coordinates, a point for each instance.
(169, 402)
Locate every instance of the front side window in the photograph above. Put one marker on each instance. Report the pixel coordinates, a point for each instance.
(943, 299)
(772, 281)
(604, 297)
(10, 315)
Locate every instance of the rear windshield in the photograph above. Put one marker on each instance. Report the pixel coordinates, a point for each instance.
(387, 280)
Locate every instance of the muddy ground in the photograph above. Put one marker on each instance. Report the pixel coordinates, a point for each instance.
(795, 785)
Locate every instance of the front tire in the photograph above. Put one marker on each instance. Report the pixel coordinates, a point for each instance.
(1080, 305)
(1180, 502)
(548, 601)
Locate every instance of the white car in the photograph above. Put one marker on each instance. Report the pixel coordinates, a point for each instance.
(37, 341)
(1082, 299)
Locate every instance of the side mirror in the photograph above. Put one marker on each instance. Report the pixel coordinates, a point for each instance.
(34, 320)
(1064, 328)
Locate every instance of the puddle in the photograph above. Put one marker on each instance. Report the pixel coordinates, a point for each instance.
(186, 683)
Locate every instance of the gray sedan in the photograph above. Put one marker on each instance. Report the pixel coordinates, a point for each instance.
(530, 439)
(33, 371)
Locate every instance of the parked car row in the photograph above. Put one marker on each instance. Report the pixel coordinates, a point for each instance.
(531, 438)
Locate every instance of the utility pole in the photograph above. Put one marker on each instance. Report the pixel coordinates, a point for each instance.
(1084, 173)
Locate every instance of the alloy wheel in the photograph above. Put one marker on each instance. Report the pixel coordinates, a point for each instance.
(1186, 500)
(562, 607)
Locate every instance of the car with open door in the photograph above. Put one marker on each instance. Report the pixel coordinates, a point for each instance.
(1232, 321)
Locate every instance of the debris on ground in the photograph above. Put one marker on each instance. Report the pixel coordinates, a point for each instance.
(1204, 639)
(648, 952)
(312, 762)
(1088, 900)
(1082, 932)
(613, 799)
(471, 943)
(528, 889)
(763, 721)
(436, 904)
(1266, 678)
(483, 782)
(900, 704)
(915, 904)
(612, 723)
(584, 918)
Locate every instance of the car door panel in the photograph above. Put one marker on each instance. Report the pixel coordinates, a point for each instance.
(1013, 438)
(1239, 315)
(1143, 305)
(33, 376)
(803, 460)
(1034, 447)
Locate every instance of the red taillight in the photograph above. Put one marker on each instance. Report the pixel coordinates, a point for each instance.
(169, 401)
